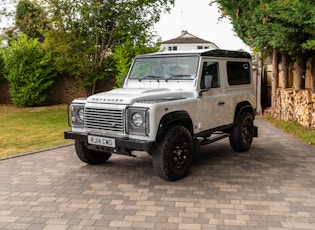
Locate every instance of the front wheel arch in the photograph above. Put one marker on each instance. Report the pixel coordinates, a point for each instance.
(172, 119)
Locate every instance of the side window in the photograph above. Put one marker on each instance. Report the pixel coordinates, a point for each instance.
(211, 68)
(238, 73)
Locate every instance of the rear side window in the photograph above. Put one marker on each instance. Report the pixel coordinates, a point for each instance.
(238, 73)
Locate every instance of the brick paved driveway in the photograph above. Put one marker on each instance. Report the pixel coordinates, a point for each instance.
(270, 187)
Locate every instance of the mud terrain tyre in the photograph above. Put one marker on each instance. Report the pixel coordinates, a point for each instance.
(173, 156)
(242, 134)
(90, 156)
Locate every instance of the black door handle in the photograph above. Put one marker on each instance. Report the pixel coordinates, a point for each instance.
(221, 103)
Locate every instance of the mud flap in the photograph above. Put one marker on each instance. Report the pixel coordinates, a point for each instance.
(196, 151)
(255, 131)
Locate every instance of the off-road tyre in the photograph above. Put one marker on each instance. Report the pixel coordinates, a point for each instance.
(90, 156)
(173, 156)
(242, 134)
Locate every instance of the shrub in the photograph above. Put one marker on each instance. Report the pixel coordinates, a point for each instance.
(2, 66)
(29, 71)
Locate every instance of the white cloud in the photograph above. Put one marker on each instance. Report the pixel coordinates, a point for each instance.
(201, 20)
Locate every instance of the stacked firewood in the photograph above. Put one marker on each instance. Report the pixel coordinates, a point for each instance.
(313, 111)
(287, 105)
(277, 107)
(294, 105)
(303, 107)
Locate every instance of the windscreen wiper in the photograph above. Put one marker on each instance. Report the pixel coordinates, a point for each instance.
(150, 77)
(177, 76)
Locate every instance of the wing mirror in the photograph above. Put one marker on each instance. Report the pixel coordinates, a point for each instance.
(208, 81)
(206, 84)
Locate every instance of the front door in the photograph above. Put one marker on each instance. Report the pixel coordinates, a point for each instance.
(212, 110)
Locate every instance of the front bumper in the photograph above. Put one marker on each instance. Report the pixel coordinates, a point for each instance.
(130, 144)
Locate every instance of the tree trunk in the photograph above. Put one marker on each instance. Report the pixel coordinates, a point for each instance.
(275, 72)
(300, 71)
(285, 70)
(313, 71)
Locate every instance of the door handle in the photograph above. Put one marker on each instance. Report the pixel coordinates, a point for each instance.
(221, 103)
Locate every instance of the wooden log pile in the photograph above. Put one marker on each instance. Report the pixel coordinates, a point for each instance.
(303, 107)
(287, 104)
(313, 111)
(294, 105)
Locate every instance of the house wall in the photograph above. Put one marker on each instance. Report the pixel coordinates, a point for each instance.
(180, 46)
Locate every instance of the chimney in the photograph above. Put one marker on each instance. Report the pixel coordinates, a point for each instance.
(184, 32)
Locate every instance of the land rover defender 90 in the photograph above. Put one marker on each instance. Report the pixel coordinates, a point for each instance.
(169, 105)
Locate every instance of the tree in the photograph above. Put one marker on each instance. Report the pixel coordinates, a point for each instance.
(7, 11)
(284, 26)
(2, 63)
(85, 32)
(123, 56)
(30, 19)
(29, 71)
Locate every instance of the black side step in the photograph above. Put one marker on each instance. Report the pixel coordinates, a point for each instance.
(214, 138)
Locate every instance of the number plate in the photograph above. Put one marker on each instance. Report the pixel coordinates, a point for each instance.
(103, 141)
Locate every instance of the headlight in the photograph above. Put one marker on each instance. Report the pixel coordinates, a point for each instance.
(76, 115)
(81, 114)
(137, 119)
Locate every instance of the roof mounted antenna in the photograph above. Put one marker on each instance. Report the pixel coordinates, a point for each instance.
(182, 20)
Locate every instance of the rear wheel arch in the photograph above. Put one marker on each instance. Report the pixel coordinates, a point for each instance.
(243, 107)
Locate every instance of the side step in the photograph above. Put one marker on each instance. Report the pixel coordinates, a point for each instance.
(214, 137)
(197, 142)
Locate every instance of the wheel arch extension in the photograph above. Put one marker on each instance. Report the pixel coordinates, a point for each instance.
(171, 119)
(241, 107)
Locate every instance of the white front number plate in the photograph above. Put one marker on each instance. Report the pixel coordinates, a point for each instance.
(103, 141)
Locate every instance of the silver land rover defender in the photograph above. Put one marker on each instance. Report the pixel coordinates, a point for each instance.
(170, 104)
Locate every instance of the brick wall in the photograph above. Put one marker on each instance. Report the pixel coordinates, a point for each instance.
(63, 91)
(4, 92)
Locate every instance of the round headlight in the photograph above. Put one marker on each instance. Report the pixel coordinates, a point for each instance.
(137, 119)
(81, 115)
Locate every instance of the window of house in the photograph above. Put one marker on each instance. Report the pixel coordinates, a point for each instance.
(174, 47)
(238, 73)
(169, 48)
(199, 47)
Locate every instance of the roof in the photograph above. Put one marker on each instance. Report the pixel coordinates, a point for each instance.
(186, 38)
(205, 52)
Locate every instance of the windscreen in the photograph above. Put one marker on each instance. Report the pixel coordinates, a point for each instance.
(165, 68)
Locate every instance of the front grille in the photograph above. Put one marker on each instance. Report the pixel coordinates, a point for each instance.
(104, 119)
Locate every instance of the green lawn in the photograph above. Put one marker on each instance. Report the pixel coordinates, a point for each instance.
(295, 129)
(30, 129)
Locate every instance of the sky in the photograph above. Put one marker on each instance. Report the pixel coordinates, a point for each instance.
(201, 20)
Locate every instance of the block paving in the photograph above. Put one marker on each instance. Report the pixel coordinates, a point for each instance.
(270, 187)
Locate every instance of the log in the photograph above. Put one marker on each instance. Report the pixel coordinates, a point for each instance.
(294, 105)
(302, 107)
